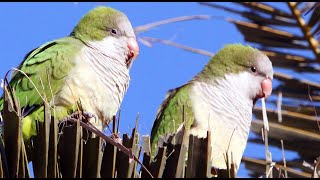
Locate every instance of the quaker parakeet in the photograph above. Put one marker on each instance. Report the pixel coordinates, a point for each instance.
(219, 99)
(91, 65)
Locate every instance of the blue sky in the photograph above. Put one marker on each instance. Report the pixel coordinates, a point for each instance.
(25, 26)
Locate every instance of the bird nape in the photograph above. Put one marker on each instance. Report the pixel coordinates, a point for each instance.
(218, 99)
(92, 65)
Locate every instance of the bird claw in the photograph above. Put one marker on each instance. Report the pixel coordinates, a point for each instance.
(116, 138)
(88, 115)
(81, 115)
(131, 156)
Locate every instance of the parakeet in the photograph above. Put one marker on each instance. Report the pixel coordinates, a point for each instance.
(91, 65)
(219, 99)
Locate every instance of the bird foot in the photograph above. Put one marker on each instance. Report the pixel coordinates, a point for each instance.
(116, 137)
(84, 116)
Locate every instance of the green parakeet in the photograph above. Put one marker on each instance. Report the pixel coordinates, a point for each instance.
(91, 65)
(219, 99)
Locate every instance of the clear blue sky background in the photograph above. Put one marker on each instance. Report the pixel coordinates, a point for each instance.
(25, 26)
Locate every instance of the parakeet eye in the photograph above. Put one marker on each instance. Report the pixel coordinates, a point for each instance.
(114, 31)
(253, 69)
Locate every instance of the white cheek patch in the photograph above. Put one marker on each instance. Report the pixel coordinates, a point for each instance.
(112, 47)
(246, 83)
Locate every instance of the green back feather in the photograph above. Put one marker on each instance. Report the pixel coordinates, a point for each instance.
(49, 64)
(170, 114)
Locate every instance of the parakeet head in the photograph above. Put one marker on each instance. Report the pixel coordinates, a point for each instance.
(247, 68)
(110, 28)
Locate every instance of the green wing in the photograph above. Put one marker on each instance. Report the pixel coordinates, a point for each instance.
(49, 64)
(170, 114)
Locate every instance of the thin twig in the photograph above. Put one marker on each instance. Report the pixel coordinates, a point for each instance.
(312, 8)
(170, 43)
(118, 122)
(284, 159)
(49, 83)
(147, 27)
(11, 92)
(279, 104)
(171, 153)
(137, 120)
(315, 110)
(269, 173)
(266, 130)
(44, 93)
(316, 168)
(30, 81)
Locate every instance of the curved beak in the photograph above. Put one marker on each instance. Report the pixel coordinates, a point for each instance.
(133, 48)
(266, 88)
